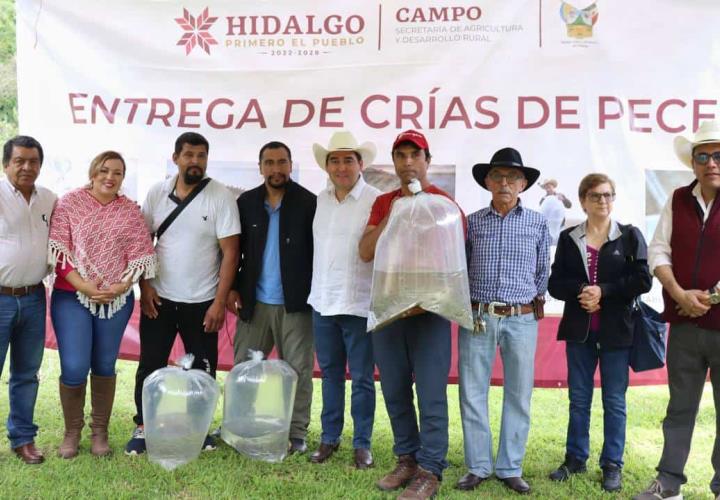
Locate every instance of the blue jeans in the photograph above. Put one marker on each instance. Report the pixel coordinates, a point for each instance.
(22, 326)
(85, 341)
(582, 359)
(416, 348)
(341, 340)
(516, 336)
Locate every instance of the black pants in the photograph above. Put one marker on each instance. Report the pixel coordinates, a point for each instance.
(691, 353)
(158, 335)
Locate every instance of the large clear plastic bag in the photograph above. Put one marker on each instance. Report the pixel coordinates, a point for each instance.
(259, 399)
(178, 407)
(420, 262)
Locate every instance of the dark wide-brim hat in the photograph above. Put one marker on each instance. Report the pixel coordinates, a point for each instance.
(506, 157)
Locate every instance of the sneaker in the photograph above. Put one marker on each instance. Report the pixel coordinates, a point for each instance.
(611, 477)
(297, 445)
(656, 492)
(570, 466)
(209, 444)
(136, 445)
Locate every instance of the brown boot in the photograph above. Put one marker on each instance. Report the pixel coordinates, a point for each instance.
(401, 475)
(424, 485)
(72, 400)
(102, 396)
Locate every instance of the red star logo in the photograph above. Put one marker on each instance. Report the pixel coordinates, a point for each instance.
(196, 31)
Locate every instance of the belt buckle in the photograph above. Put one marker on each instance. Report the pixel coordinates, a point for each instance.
(491, 308)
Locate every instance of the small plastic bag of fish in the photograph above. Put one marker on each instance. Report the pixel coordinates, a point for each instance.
(178, 408)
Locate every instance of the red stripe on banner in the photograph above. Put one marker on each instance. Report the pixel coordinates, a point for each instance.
(550, 366)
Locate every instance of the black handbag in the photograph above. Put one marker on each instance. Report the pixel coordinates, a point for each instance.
(649, 337)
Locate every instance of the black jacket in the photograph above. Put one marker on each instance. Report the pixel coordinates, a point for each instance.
(622, 275)
(296, 246)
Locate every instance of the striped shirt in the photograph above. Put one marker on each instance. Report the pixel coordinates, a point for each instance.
(508, 257)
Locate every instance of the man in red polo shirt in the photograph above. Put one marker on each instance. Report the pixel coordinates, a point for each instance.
(414, 348)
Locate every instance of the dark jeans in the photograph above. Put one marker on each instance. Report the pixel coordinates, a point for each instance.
(339, 341)
(158, 335)
(582, 359)
(22, 326)
(691, 352)
(85, 341)
(416, 348)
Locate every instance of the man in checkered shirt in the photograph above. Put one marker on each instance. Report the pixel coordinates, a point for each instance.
(508, 262)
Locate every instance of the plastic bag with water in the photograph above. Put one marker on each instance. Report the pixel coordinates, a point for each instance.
(178, 407)
(420, 262)
(259, 399)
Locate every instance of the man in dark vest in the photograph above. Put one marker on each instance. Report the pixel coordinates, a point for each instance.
(271, 288)
(684, 256)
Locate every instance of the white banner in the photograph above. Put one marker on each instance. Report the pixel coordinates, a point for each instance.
(575, 87)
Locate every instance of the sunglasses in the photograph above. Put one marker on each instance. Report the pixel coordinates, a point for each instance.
(704, 158)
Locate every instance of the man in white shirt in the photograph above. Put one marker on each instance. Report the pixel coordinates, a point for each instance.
(340, 295)
(683, 256)
(553, 206)
(25, 211)
(197, 258)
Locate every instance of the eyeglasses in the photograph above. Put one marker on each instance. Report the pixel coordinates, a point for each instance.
(596, 197)
(511, 178)
(704, 158)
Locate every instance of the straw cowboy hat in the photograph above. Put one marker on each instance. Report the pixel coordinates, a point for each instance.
(708, 132)
(546, 182)
(344, 141)
(506, 157)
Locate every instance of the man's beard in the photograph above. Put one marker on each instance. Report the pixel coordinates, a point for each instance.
(279, 183)
(191, 178)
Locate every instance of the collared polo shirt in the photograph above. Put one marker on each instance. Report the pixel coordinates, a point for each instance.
(269, 289)
(341, 280)
(24, 229)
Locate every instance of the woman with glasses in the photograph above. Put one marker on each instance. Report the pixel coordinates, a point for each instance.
(600, 267)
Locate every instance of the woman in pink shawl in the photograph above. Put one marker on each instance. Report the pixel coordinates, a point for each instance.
(100, 246)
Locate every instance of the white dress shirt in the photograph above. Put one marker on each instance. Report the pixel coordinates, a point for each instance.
(24, 229)
(659, 251)
(341, 281)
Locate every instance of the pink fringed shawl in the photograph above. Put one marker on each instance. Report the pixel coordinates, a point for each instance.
(105, 243)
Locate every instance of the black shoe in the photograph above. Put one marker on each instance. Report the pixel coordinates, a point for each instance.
(611, 477)
(517, 484)
(570, 466)
(297, 445)
(469, 482)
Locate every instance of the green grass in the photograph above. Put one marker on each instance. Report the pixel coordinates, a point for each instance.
(226, 474)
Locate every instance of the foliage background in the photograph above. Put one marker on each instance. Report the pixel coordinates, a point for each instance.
(8, 70)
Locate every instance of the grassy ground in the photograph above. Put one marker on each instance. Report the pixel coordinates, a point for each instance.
(226, 474)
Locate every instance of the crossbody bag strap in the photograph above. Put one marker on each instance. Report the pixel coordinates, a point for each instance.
(181, 206)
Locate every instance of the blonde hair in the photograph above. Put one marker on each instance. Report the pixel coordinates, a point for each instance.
(100, 160)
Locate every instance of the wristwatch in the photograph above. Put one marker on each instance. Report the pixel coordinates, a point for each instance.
(714, 295)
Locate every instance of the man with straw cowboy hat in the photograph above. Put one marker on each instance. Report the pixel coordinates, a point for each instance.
(340, 295)
(683, 256)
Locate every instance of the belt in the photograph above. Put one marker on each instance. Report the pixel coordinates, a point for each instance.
(19, 291)
(502, 309)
